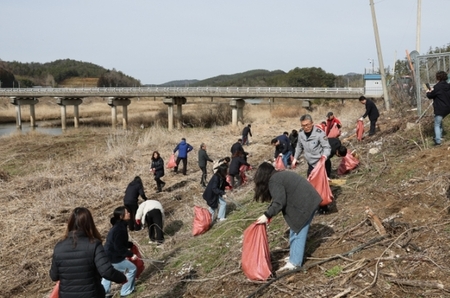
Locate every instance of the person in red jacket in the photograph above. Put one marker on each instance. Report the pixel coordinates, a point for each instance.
(331, 121)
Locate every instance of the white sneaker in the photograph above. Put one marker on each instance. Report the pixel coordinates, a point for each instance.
(286, 259)
(288, 266)
(221, 219)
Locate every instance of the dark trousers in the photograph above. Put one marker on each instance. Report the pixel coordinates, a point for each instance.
(159, 182)
(238, 182)
(373, 124)
(132, 208)
(184, 165)
(327, 168)
(203, 180)
(154, 221)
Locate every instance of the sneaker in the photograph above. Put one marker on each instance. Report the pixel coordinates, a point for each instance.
(437, 144)
(286, 259)
(163, 184)
(288, 266)
(221, 219)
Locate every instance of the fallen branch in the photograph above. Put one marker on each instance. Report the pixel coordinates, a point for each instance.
(343, 293)
(305, 268)
(419, 283)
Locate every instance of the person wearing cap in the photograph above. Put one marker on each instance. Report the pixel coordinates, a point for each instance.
(183, 149)
(245, 132)
(371, 111)
(331, 121)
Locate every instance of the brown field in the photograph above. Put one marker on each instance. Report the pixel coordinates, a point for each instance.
(43, 177)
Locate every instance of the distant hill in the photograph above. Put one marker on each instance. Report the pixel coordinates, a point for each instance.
(257, 77)
(178, 83)
(58, 72)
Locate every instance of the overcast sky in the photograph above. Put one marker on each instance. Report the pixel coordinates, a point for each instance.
(161, 41)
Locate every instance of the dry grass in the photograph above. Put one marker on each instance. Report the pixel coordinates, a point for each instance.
(43, 177)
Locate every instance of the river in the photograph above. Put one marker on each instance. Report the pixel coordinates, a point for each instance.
(10, 128)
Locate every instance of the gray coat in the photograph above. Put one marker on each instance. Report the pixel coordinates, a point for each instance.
(313, 147)
(294, 196)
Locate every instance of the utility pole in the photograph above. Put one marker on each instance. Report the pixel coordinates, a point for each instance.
(419, 12)
(380, 58)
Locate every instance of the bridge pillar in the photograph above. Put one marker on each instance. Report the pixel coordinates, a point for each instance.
(179, 101)
(113, 102)
(237, 106)
(69, 101)
(21, 101)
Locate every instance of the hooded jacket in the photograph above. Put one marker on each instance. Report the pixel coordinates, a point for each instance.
(183, 148)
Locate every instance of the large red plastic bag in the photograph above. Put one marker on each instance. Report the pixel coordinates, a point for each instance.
(279, 164)
(348, 163)
(172, 162)
(230, 187)
(202, 221)
(359, 129)
(334, 131)
(255, 253)
(55, 291)
(319, 179)
(139, 263)
(242, 170)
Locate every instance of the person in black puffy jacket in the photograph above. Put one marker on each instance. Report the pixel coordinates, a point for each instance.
(130, 200)
(79, 260)
(157, 168)
(118, 249)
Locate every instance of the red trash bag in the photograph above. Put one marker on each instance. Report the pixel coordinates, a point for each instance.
(172, 162)
(359, 129)
(348, 163)
(279, 164)
(319, 179)
(242, 171)
(334, 131)
(139, 263)
(230, 187)
(55, 291)
(255, 253)
(202, 221)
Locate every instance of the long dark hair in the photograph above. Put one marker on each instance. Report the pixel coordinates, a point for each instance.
(261, 179)
(222, 171)
(118, 214)
(81, 220)
(153, 154)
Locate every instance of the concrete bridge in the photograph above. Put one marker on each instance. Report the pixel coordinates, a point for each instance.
(120, 96)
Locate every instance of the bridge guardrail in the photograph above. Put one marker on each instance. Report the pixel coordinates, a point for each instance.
(180, 90)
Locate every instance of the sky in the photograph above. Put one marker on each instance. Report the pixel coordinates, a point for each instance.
(161, 41)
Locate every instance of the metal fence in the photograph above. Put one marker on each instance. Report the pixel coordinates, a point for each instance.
(425, 69)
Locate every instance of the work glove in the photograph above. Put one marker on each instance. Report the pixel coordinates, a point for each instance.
(281, 154)
(262, 219)
(324, 156)
(361, 119)
(224, 197)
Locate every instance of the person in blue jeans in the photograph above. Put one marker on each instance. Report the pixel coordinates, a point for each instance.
(183, 149)
(117, 248)
(296, 198)
(214, 194)
(440, 93)
(282, 148)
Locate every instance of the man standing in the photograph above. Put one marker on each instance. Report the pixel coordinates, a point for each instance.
(203, 159)
(313, 142)
(183, 148)
(332, 121)
(371, 111)
(441, 104)
(245, 132)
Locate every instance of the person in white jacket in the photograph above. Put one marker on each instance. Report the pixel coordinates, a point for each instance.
(151, 212)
